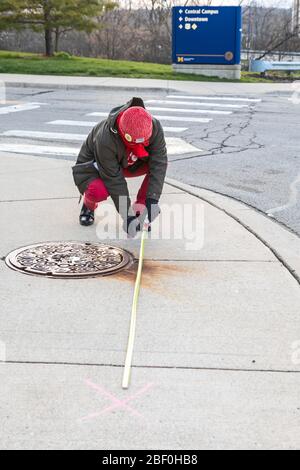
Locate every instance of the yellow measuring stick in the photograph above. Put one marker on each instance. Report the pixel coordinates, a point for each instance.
(129, 354)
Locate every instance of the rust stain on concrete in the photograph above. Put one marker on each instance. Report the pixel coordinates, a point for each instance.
(154, 272)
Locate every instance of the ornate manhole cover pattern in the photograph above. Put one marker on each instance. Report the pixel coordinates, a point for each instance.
(69, 259)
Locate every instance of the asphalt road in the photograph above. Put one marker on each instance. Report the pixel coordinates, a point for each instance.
(248, 148)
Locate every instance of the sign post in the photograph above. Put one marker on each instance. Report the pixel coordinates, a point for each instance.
(207, 40)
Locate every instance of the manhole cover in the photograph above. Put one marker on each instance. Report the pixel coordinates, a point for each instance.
(68, 259)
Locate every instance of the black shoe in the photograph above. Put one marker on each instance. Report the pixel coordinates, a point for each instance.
(86, 217)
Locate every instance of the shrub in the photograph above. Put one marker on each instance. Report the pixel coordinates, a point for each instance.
(62, 55)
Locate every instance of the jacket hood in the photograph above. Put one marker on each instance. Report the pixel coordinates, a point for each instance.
(112, 118)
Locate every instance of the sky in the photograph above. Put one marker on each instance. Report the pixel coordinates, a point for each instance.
(270, 3)
(267, 3)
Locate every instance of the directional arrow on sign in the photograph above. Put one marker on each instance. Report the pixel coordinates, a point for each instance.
(180, 26)
(181, 19)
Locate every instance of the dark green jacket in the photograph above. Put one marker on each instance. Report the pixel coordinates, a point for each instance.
(105, 147)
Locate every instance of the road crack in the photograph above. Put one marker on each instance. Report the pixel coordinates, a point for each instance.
(226, 133)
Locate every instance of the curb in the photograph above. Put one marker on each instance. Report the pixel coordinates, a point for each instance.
(61, 86)
(285, 245)
(152, 85)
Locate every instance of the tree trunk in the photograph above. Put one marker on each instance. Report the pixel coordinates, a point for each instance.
(47, 26)
(48, 42)
(57, 37)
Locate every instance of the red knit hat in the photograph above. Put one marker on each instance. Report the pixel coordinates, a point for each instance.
(135, 125)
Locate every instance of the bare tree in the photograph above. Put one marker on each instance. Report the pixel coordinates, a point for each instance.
(143, 31)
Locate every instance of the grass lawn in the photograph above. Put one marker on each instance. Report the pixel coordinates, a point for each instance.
(26, 63)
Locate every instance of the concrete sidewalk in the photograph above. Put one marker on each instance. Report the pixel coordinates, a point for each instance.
(216, 362)
(190, 87)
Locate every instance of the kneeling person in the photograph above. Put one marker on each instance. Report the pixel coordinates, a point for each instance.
(129, 143)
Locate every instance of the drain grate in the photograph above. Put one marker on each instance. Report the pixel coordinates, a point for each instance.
(69, 259)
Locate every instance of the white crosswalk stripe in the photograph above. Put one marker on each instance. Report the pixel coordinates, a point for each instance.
(163, 118)
(183, 119)
(216, 105)
(19, 107)
(215, 98)
(38, 149)
(175, 145)
(45, 135)
(193, 111)
(67, 122)
(61, 122)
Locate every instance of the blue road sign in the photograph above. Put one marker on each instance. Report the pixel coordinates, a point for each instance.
(207, 35)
